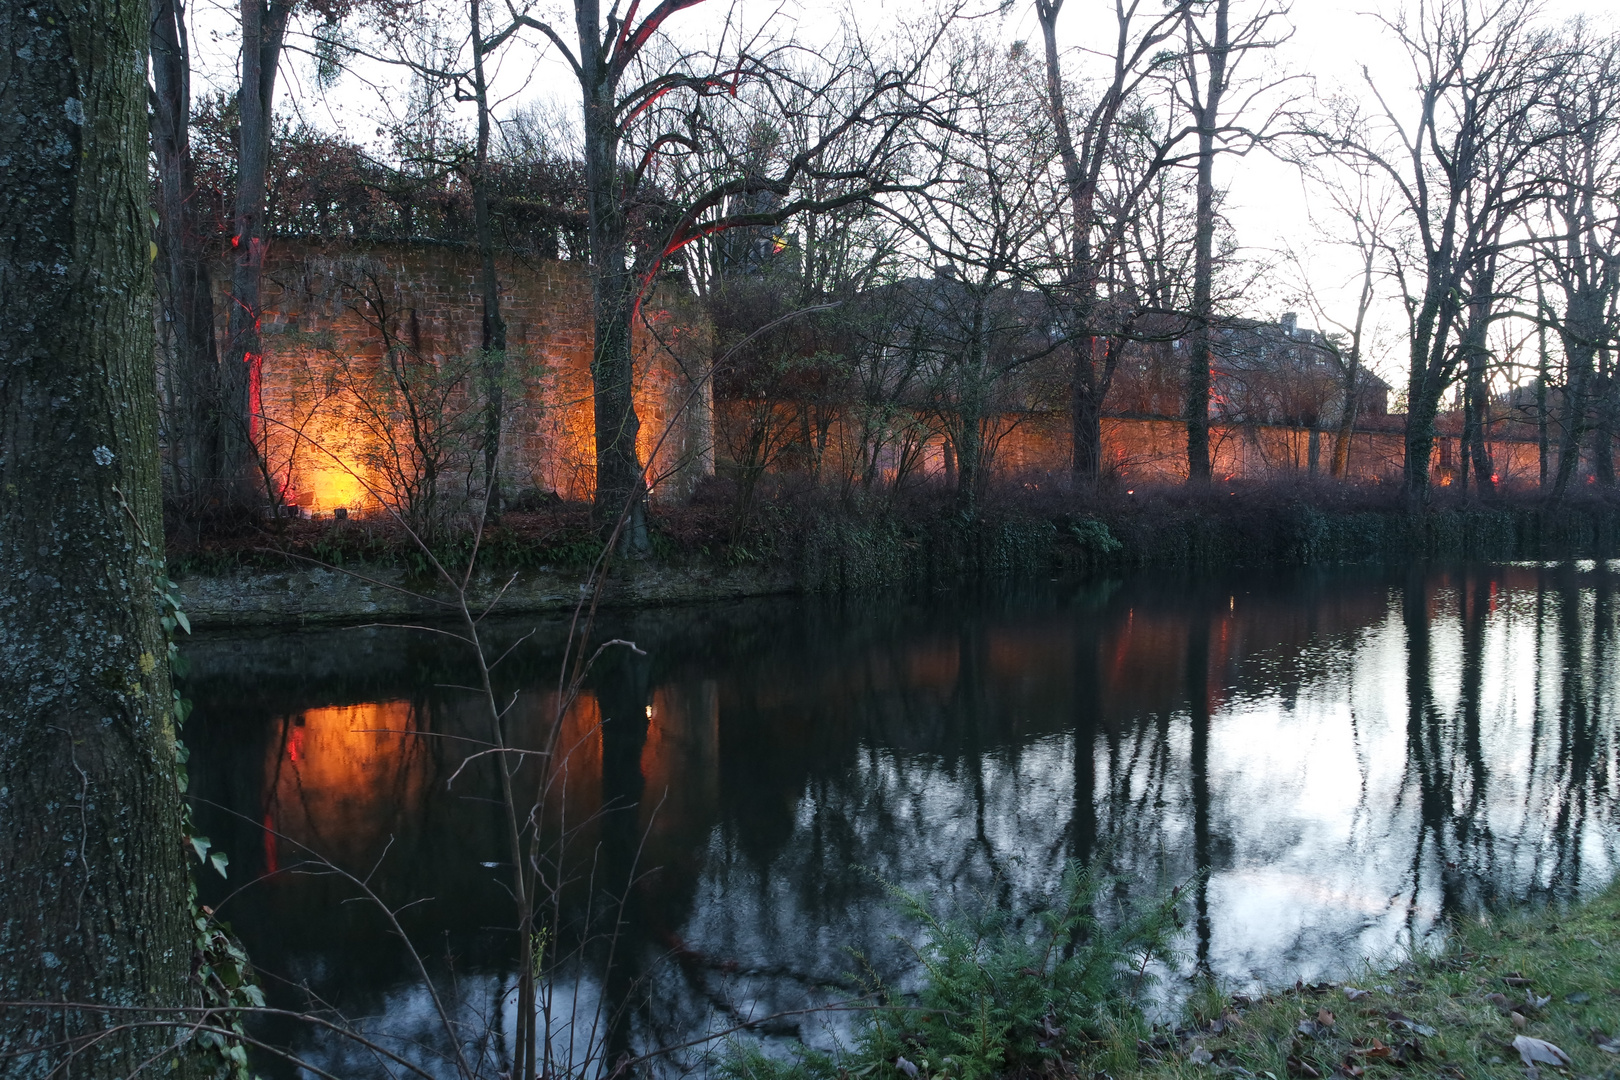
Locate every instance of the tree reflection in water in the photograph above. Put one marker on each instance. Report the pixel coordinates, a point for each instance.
(1336, 759)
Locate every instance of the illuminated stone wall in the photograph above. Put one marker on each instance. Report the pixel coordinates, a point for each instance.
(324, 345)
(1144, 450)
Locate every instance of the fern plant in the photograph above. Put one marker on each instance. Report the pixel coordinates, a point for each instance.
(1003, 993)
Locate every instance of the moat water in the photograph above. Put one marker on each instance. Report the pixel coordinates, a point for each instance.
(1336, 761)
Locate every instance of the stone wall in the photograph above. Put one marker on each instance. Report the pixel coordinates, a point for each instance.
(338, 431)
(1143, 450)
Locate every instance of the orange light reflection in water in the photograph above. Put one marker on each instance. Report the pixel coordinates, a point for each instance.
(341, 779)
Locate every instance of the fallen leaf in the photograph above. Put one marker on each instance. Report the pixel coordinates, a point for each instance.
(1609, 1044)
(1513, 978)
(1356, 995)
(1347, 1069)
(906, 1067)
(1536, 1002)
(1580, 998)
(1303, 1069)
(1378, 1050)
(1408, 1052)
(1518, 1020)
(1324, 1018)
(1401, 1020)
(1499, 1000)
(1532, 1051)
(1200, 1056)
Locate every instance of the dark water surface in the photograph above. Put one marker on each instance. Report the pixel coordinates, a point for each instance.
(1345, 757)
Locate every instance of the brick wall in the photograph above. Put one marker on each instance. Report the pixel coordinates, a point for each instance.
(1143, 450)
(326, 424)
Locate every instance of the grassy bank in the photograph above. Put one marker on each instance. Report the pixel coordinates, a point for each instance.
(1551, 975)
(990, 1010)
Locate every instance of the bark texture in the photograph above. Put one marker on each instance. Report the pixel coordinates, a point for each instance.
(93, 890)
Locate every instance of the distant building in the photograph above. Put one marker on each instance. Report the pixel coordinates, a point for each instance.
(1281, 373)
(1261, 373)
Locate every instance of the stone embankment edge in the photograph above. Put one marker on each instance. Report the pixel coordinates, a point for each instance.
(327, 596)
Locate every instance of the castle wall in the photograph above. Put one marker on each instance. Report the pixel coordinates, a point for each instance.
(1141, 450)
(338, 430)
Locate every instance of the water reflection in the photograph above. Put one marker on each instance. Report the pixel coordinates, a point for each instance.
(1336, 759)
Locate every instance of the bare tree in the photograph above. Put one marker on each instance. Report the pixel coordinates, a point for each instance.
(982, 220)
(1097, 219)
(1577, 247)
(1213, 51)
(639, 113)
(451, 61)
(264, 31)
(185, 289)
(1363, 223)
(1456, 154)
(492, 327)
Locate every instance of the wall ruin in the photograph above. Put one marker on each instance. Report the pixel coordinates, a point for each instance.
(330, 313)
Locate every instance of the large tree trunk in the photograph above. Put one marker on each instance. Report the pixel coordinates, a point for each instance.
(185, 290)
(620, 484)
(1543, 371)
(1086, 391)
(1582, 326)
(1196, 408)
(1476, 394)
(1347, 416)
(1603, 424)
(1086, 404)
(493, 327)
(92, 878)
(1421, 410)
(1425, 385)
(264, 26)
(1198, 359)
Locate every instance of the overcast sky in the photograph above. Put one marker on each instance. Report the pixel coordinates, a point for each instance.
(1266, 203)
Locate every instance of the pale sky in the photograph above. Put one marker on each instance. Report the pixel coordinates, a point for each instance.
(1266, 202)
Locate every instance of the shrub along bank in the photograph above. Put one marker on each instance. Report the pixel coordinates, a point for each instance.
(1187, 530)
(815, 544)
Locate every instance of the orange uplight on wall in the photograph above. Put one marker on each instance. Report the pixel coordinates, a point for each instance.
(329, 472)
(335, 486)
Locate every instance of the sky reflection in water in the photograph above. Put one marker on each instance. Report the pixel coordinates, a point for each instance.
(1343, 756)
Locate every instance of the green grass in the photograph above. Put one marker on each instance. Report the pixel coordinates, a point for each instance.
(1005, 1000)
(1450, 1015)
